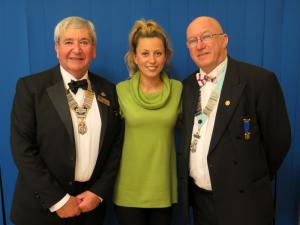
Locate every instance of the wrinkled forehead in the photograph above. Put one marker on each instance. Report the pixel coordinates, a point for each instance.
(76, 33)
(203, 25)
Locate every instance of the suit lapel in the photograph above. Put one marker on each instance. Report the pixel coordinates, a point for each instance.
(190, 98)
(231, 92)
(58, 97)
(103, 109)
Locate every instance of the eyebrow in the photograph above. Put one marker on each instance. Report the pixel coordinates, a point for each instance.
(201, 34)
(71, 39)
(155, 50)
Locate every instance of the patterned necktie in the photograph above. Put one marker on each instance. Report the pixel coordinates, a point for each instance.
(74, 85)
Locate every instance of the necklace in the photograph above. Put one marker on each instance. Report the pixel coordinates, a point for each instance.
(81, 111)
(202, 115)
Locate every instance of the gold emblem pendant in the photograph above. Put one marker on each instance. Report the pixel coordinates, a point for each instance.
(82, 128)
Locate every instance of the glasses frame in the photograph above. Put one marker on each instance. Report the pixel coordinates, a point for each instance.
(193, 41)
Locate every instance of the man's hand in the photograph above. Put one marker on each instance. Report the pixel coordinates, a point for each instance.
(88, 201)
(70, 209)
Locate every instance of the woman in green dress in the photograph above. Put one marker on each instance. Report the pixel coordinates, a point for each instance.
(146, 185)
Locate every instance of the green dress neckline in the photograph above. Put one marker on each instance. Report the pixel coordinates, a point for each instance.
(150, 100)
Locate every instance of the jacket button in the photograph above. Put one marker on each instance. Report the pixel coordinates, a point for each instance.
(70, 183)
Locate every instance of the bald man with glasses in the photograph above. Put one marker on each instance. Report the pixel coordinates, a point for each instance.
(235, 133)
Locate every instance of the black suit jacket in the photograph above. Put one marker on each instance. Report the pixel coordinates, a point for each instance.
(240, 170)
(43, 146)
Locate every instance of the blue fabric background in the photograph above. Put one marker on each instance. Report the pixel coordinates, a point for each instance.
(262, 32)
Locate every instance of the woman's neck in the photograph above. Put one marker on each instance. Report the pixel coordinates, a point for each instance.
(151, 85)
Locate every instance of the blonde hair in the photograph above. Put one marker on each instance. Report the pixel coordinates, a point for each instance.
(74, 22)
(145, 29)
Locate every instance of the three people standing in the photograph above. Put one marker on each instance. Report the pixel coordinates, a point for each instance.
(67, 134)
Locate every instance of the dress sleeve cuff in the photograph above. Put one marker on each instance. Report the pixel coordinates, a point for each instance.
(60, 204)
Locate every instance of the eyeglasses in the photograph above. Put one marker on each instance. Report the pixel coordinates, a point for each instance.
(193, 41)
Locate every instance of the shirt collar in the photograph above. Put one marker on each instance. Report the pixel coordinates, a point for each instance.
(67, 77)
(218, 70)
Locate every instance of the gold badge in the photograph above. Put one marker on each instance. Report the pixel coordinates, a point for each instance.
(103, 94)
(103, 100)
(227, 103)
(247, 136)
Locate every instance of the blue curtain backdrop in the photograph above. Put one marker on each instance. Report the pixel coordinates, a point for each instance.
(2, 218)
(262, 32)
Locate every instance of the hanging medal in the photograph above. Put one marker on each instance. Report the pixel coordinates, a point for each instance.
(82, 127)
(202, 116)
(81, 111)
(246, 127)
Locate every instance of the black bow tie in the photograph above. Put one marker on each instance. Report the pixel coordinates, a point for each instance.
(74, 85)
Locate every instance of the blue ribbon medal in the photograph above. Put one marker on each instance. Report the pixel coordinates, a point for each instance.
(246, 126)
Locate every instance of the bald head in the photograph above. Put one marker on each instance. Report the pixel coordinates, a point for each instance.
(207, 43)
(207, 23)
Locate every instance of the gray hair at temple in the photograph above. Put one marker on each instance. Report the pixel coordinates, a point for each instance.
(74, 22)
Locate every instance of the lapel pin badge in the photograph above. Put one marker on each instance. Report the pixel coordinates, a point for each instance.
(103, 100)
(227, 103)
(103, 94)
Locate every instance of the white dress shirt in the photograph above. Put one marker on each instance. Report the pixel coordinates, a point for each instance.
(198, 160)
(87, 145)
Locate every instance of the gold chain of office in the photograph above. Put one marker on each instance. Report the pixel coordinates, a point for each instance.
(81, 111)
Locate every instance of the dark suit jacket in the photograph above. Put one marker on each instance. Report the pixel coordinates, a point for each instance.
(240, 170)
(43, 146)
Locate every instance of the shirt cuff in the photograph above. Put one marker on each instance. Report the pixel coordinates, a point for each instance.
(60, 204)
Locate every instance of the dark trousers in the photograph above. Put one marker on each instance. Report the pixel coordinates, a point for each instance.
(143, 216)
(204, 212)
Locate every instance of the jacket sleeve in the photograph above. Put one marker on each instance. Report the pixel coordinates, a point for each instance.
(25, 150)
(274, 122)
